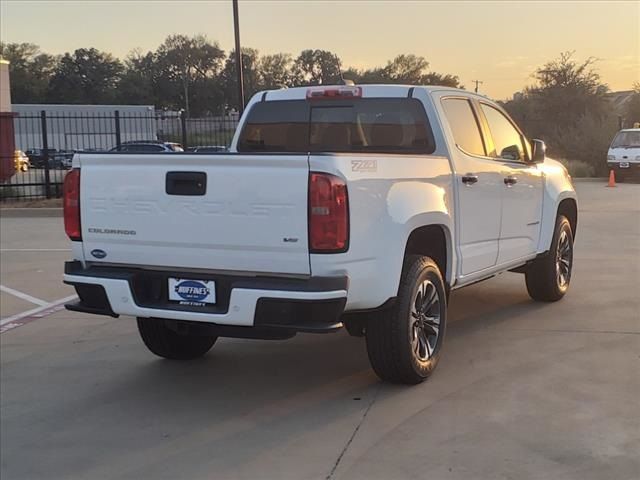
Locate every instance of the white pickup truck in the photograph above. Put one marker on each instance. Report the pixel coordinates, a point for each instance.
(354, 206)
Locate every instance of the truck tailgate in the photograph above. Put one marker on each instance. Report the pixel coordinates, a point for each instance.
(153, 210)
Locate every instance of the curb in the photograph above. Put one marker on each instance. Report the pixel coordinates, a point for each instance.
(590, 179)
(30, 212)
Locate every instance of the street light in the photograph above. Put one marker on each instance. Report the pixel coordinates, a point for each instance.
(240, 80)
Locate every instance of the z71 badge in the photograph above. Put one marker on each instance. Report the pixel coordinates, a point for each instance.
(370, 165)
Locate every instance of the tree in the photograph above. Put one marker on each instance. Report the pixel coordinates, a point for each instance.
(86, 76)
(404, 69)
(567, 107)
(374, 75)
(407, 69)
(445, 80)
(250, 72)
(567, 89)
(632, 110)
(30, 71)
(185, 60)
(139, 80)
(276, 71)
(316, 67)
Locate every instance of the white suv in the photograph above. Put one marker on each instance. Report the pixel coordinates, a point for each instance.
(624, 154)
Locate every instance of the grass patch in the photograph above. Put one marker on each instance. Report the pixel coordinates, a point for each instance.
(578, 168)
(31, 203)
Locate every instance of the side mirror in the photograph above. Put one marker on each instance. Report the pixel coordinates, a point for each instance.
(538, 151)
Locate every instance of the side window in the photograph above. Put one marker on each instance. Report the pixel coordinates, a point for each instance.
(145, 148)
(506, 139)
(464, 125)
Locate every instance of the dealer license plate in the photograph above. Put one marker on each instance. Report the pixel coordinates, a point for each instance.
(192, 292)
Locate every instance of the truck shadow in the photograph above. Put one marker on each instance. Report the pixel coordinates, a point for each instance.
(247, 402)
(262, 371)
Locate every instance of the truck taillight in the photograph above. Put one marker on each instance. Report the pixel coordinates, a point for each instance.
(328, 214)
(319, 93)
(71, 204)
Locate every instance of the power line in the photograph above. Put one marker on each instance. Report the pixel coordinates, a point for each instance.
(477, 82)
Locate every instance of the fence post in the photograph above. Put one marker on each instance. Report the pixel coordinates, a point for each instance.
(117, 120)
(45, 153)
(183, 123)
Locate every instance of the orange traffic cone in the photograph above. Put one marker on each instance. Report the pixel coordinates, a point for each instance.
(612, 179)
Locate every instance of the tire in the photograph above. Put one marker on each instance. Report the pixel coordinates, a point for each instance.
(548, 277)
(167, 343)
(403, 345)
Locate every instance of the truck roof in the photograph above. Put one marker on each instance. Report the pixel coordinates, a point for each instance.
(373, 90)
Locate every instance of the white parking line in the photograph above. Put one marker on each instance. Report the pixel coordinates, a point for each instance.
(43, 310)
(35, 250)
(23, 296)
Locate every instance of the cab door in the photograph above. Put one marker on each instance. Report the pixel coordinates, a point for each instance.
(478, 183)
(521, 186)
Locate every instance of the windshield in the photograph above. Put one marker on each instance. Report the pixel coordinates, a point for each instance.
(630, 138)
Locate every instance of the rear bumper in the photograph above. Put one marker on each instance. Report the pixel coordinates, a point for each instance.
(297, 305)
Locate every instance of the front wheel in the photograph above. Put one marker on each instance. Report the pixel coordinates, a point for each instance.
(404, 342)
(548, 277)
(172, 344)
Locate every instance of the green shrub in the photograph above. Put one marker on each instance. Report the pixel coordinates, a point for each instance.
(578, 168)
(587, 141)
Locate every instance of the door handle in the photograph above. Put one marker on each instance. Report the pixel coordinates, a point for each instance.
(510, 180)
(186, 183)
(469, 179)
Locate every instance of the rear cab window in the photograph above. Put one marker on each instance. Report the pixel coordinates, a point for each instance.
(362, 125)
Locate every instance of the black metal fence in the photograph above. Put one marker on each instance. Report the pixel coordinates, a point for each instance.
(49, 141)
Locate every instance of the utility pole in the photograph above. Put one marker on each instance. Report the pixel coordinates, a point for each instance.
(236, 28)
(477, 82)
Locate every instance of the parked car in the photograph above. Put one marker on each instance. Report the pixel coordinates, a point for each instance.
(354, 206)
(624, 154)
(37, 157)
(57, 158)
(148, 147)
(64, 159)
(21, 161)
(208, 149)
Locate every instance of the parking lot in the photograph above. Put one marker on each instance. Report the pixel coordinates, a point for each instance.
(524, 390)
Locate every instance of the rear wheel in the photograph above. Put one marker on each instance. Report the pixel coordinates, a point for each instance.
(404, 342)
(548, 277)
(171, 343)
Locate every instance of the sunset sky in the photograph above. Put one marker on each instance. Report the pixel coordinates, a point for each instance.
(498, 42)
